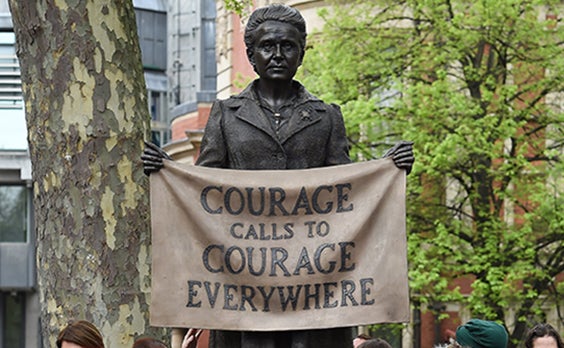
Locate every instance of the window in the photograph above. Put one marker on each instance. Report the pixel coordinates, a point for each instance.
(159, 124)
(156, 105)
(12, 318)
(159, 137)
(151, 26)
(13, 132)
(209, 69)
(10, 83)
(13, 213)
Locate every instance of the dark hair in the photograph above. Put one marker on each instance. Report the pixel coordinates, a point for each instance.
(541, 330)
(275, 12)
(364, 336)
(375, 343)
(148, 342)
(82, 333)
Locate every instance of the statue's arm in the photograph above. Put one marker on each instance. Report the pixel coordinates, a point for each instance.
(338, 145)
(213, 151)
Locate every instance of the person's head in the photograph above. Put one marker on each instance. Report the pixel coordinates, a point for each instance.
(80, 334)
(375, 343)
(543, 336)
(275, 29)
(478, 333)
(361, 338)
(148, 342)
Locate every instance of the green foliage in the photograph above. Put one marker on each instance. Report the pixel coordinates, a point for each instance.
(392, 333)
(237, 6)
(477, 85)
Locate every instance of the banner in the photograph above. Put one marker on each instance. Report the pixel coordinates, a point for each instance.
(278, 250)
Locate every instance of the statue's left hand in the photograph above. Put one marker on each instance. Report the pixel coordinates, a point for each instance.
(402, 154)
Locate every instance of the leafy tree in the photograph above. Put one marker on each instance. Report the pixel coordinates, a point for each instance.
(238, 6)
(477, 85)
(87, 116)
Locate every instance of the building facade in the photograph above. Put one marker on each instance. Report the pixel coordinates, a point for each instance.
(192, 73)
(151, 17)
(19, 300)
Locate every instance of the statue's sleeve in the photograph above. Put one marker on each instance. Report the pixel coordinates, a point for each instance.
(338, 145)
(213, 151)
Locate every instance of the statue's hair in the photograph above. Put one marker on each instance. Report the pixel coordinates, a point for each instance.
(275, 12)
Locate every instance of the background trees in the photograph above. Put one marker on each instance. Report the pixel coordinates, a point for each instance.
(478, 86)
(87, 117)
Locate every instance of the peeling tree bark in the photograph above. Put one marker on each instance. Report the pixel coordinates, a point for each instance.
(87, 117)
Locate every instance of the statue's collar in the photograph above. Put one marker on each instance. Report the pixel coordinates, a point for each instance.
(302, 97)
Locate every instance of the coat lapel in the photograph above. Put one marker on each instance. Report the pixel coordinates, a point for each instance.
(309, 111)
(251, 113)
(304, 116)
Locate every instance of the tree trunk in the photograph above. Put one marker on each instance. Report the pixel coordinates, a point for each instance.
(87, 116)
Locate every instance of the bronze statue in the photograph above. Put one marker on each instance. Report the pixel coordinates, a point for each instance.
(275, 123)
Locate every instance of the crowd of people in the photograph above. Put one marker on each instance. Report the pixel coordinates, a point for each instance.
(475, 333)
(84, 334)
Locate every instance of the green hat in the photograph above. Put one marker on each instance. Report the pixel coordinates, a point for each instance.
(478, 333)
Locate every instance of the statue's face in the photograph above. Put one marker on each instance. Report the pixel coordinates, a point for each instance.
(276, 53)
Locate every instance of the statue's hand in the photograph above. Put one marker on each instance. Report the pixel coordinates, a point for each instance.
(152, 158)
(191, 338)
(402, 154)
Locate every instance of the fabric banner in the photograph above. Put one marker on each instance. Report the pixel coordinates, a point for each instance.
(278, 250)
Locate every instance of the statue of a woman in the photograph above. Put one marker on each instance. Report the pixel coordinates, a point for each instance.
(275, 123)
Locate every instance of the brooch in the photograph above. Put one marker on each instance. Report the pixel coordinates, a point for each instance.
(305, 116)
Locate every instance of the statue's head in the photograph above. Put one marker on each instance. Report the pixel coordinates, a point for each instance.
(272, 14)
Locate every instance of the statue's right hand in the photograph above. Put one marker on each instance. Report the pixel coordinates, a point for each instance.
(152, 158)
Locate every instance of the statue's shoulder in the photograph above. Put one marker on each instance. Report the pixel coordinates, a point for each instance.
(318, 103)
(237, 100)
(335, 107)
(233, 102)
